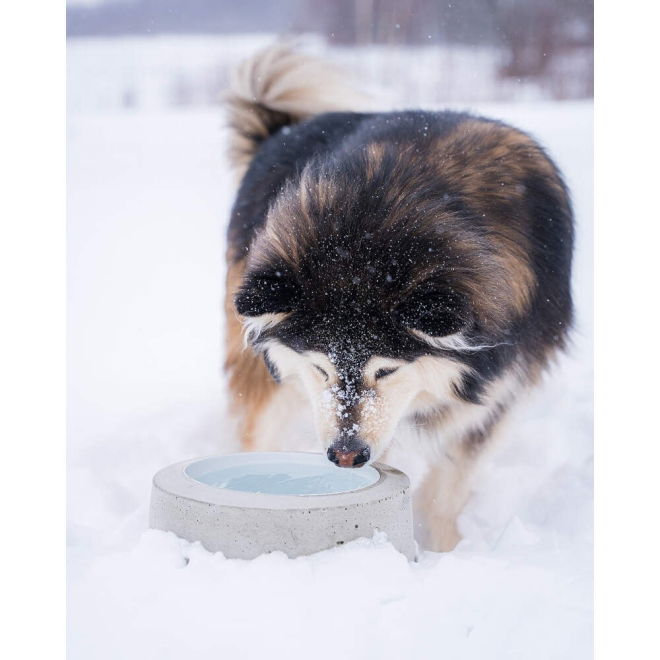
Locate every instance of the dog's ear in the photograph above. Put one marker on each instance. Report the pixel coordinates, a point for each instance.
(434, 309)
(267, 291)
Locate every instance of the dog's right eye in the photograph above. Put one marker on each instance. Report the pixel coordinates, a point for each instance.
(323, 372)
(382, 373)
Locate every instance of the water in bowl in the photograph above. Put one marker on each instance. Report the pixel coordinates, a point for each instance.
(280, 473)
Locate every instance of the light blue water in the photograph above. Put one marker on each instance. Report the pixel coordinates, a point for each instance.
(280, 473)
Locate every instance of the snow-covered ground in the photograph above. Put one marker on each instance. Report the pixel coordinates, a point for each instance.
(149, 195)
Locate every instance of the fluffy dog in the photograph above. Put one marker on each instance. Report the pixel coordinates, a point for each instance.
(407, 273)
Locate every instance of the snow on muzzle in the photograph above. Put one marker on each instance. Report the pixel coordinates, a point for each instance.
(348, 449)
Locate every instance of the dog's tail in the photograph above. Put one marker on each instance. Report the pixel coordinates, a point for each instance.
(278, 87)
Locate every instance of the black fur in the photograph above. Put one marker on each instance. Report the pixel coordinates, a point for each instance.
(388, 252)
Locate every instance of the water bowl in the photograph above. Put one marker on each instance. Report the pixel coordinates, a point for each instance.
(299, 503)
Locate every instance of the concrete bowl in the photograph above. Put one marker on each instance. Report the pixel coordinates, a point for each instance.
(296, 502)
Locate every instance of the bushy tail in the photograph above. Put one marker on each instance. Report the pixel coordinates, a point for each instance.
(277, 87)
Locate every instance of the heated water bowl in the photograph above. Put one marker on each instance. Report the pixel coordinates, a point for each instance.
(299, 503)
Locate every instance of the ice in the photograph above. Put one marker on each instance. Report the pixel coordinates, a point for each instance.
(287, 476)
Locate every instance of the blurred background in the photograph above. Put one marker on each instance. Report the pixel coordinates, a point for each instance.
(149, 54)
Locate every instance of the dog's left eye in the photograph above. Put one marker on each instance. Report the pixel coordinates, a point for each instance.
(323, 372)
(381, 373)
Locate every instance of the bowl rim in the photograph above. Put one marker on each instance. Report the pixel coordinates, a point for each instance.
(174, 480)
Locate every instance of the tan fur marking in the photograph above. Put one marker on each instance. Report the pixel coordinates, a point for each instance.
(489, 164)
(375, 152)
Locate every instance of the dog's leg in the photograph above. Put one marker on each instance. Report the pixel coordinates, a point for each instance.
(446, 487)
(443, 494)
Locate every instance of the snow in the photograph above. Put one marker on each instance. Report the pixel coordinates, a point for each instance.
(149, 194)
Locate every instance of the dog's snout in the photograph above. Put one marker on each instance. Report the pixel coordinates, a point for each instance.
(349, 455)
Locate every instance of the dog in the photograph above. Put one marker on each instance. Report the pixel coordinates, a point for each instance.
(406, 274)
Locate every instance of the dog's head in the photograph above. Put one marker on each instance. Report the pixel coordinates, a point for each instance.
(370, 301)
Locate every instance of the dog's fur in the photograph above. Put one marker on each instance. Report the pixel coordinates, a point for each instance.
(400, 269)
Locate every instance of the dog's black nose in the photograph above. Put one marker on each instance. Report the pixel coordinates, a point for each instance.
(348, 456)
(362, 457)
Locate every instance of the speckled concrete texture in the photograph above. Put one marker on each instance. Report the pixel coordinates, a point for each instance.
(244, 525)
